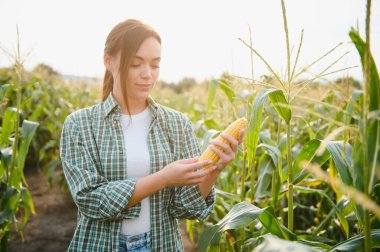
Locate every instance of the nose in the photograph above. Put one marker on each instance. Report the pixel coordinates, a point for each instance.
(146, 72)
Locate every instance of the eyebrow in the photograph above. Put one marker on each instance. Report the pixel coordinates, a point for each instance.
(141, 58)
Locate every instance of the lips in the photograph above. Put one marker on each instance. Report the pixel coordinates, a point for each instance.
(144, 87)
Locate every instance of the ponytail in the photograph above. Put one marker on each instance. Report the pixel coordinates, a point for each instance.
(107, 85)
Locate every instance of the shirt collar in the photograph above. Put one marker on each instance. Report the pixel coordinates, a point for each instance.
(111, 105)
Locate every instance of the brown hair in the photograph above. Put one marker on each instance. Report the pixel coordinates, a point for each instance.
(126, 37)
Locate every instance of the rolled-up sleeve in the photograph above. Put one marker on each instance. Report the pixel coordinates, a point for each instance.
(187, 201)
(95, 197)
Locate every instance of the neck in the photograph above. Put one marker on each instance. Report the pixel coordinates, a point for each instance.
(135, 105)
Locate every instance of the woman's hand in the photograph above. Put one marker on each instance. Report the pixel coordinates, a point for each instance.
(229, 151)
(185, 172)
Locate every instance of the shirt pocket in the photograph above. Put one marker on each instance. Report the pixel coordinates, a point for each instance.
(113, 159)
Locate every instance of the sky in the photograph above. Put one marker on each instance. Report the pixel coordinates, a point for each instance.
(200, 38)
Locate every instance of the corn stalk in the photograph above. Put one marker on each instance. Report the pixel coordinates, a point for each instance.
(366, 161)
(288, 125)
(18, 81)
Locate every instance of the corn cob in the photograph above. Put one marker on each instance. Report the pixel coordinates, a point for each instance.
(233, 130)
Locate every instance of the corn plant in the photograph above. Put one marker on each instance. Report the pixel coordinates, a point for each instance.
(275, 158)
(15, 198)
(42, 96)
(369, 156)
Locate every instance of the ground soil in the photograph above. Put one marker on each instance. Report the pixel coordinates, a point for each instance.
(52, 227)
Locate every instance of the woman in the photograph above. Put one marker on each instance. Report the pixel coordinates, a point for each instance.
(130, 163)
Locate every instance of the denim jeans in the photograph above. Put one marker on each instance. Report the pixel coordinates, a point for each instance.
(135, 243)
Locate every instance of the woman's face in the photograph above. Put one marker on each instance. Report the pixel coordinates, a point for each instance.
(143, 71)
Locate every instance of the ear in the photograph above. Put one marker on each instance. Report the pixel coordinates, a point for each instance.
(107, 61)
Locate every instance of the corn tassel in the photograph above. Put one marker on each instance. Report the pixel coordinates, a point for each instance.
(233, 130)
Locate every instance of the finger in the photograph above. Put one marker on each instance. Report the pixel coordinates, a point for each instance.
(224, 158)
(224, 146)
(232, 148)
(221, 154)
(188, 160)
(229, 138)
(211, 169)
(201, 173)
(197, 165)
(233, 142)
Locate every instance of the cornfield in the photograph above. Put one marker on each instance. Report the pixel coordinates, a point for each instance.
(306, 178)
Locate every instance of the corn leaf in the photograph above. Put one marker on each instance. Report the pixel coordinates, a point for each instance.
(321, 245)
(279, 102)
(9, 120)
(341, 154)
(308, 153)
(357, 176)
(373, 126)
(28, 207)
(9, 203)
(209, 234)
(26, 198)
(228, 91)
(241, 215)
(374, 85)
(274, 244)
(356, 243)
(255, 120)
(266, 169)
(211, 93)
(272, 225)
(37, 113)
(4, 89)
(6, 156)
(339, 151)
(28, 130)
(265, 138)
(273, 152)
(227, 195)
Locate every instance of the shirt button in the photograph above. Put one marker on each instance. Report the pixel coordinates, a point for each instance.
(120, 151)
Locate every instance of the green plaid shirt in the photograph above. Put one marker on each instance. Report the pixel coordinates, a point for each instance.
(94, 164)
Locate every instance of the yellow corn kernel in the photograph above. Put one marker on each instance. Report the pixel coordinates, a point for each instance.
(233, 130)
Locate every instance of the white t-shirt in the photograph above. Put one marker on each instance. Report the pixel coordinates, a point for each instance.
(138, 164)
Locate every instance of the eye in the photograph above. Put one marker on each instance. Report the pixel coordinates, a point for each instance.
(156, 66)
(135, 65)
